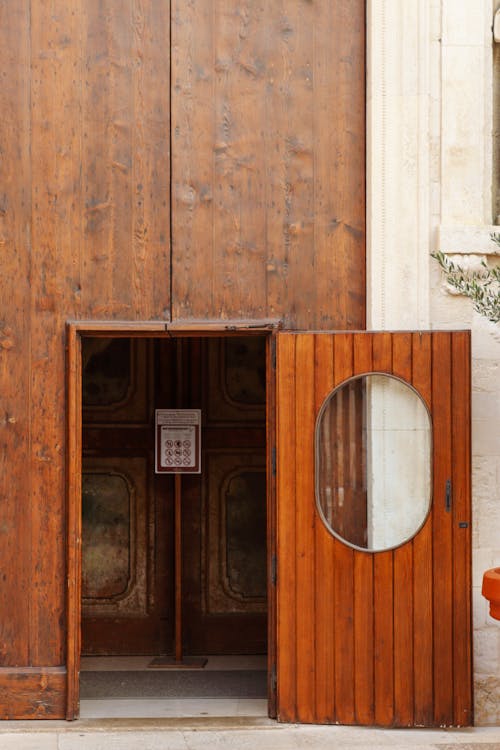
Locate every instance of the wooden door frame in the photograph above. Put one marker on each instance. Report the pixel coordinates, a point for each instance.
(75, 331)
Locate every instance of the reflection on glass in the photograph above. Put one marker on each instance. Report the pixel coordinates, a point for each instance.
(373, 462)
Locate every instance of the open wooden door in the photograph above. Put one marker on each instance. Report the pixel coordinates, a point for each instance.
(373, 638)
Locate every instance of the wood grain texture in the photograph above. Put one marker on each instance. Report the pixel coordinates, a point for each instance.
(364, 605)
(15, 330)
(403, 581)
(286, 530)
(305, 529)
(325, 600)
(74, 520)
(462, 577)
(442, 531)
(268, 141)
(30, 693)
(387, 625)
(55, 281)
(423, 607)
(84, 231)
(384, 360)
(343, 576)
(271, 525)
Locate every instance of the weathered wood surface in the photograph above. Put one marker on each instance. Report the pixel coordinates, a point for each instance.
(31, 693)
(84, 233)
(268, 152)
(392, 630)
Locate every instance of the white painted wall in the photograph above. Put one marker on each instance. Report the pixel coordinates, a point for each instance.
(430, 175)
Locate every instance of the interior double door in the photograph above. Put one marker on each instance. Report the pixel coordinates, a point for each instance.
(128, 512)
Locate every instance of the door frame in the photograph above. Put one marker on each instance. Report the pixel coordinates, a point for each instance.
(75, 331)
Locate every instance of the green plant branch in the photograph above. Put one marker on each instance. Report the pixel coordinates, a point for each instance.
(482, 287)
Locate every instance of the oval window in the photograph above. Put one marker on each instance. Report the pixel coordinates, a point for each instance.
(373, 462)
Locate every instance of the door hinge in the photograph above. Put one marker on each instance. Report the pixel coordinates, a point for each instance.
(274, 570)
(273, 353)
(273, 461)
(448, 496)
(274, 678)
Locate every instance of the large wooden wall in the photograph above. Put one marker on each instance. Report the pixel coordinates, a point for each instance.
(267, 140)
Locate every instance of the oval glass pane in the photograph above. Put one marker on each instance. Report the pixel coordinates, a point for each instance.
(373, 462)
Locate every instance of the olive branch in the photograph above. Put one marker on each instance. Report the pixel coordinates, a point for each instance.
(482, 286)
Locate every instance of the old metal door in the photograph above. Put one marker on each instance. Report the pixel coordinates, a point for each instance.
(366, 637)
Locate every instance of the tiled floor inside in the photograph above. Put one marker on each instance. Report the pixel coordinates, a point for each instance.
(133, 707)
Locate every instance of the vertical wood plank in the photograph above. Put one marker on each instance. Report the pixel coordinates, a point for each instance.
(462, 584)
(271, 522)
(239, 115)
(15, 206)
(442, 531)
(193, 155)
(339, 182)
(74, 520)
(55, 149)
(125, 160)
(363, 582)
(150, 170)
(295, 253)
(286, 532)
(423, 561)
(324, 575)
(403, 579)
(383, 595)
(343, 562)
(305, 528)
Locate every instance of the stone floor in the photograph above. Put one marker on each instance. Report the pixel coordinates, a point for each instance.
(226, 734)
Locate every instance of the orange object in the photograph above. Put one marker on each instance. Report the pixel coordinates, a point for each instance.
(491, 590)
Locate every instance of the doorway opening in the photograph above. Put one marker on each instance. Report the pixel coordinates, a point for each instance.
(174, 567)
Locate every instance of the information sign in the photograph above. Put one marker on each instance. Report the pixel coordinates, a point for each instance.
(178, 441)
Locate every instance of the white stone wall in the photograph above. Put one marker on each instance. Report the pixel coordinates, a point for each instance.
(430, 177)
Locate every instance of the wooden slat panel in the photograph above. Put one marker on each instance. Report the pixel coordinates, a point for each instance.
(286, 532)
(462, 584)
(15, 202)
(305, 518)
(442, 531)
(363, 584)
(344, 578)
(325, 594)
(396, 595)
(264, 221)
(383, 595)
(422, 562)
(403, 580)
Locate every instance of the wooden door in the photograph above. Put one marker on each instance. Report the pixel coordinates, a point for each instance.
(374, 638)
